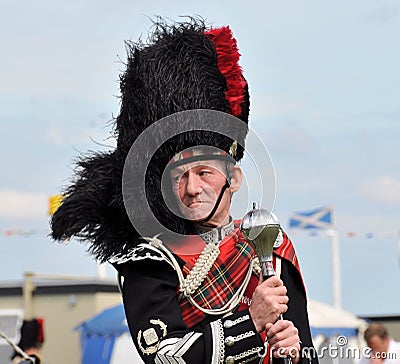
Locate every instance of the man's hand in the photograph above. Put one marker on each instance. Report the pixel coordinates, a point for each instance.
(283, 338)
(268, 303)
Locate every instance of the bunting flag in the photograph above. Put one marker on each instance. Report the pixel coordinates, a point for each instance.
(54, 203)
(10, 232)
(320, 219)
(351, 234)
(23, 232)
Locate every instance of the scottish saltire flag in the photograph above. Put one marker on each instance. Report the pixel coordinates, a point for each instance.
(314, 219)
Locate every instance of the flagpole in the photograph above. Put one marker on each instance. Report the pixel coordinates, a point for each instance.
(336, 276)
(398, 247)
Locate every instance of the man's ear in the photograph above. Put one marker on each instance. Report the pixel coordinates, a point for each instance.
(236, 178)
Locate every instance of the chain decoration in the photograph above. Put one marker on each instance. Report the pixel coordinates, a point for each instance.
(200, 269)
(231, 340)
(233, 358)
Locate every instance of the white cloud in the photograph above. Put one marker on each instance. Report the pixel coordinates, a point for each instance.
(63, 136)
(16, 205)
(382, 14)
(268, 105)
(55, 135)
(290, 140)
(382, 225)
(382, 189)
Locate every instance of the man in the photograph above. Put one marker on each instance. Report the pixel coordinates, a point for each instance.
(189, 280)
(203, 183)
(31, 341)
(383, 348)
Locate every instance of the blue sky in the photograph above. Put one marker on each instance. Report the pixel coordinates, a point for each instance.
(324, 83)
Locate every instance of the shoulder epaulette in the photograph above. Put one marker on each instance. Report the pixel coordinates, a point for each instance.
(141, 252)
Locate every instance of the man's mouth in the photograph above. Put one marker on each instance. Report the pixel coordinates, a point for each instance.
(195, 204)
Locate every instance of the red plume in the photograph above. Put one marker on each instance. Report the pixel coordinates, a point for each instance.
(40, 322)
(228, 58)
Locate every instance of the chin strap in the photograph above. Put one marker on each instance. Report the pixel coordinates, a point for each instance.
(211, 214)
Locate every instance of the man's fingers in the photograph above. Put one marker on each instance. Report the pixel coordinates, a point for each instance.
(290, 351)
(282, 328)
(284, 300)
(273, 282)
(268, 326)
(281, 331)
(284, 340)
(274, 291)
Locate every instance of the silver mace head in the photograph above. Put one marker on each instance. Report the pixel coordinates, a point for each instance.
(261, 228)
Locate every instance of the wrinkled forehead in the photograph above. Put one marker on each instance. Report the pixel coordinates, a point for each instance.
(218, 164)
(198, 155)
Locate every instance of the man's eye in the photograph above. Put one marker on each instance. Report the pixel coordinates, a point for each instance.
(205, 173)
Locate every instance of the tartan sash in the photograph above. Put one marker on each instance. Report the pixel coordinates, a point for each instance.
(223, 279)
(227, 274)
(286, 251)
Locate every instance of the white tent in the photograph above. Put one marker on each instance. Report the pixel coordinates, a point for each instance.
(330, 321)
(337, 334)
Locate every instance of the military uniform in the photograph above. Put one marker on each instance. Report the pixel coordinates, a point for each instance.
(214, 326)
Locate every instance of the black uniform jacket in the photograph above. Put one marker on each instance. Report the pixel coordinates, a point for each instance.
(149, 289)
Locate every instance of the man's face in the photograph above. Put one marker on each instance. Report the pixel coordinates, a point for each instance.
(197, 186)
(378, 345)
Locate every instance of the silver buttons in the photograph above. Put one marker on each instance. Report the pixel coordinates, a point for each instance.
(229, 341)
(228, 324)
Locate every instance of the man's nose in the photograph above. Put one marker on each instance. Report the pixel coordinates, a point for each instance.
(193, 186)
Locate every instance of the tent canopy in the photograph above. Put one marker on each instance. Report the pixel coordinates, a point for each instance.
(330, 321)
(110, 322)
(105, 339)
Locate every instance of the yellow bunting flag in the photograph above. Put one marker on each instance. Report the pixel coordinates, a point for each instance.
(54, 203)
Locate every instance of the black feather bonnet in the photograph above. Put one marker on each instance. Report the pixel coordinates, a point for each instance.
(184, 66)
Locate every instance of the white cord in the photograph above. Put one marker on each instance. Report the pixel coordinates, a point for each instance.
(16, 348)
(200, 270)
(233, 301)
